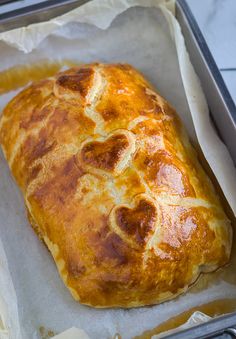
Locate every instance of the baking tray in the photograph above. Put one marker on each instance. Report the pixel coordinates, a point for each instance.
(221, 105)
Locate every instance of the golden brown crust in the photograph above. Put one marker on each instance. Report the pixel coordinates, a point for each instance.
(113, 186)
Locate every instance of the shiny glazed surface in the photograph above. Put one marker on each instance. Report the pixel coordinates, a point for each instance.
(113, 186)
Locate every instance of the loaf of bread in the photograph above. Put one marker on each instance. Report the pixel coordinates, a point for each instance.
(113, 186)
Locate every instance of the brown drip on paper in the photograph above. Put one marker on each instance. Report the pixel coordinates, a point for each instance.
(20, 75)
(212, 309)
(46, 333)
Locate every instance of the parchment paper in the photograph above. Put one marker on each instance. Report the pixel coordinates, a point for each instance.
(146, 35)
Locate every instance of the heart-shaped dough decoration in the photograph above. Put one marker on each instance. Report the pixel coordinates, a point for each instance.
(76, 85)
(112, 154)
(136, 223)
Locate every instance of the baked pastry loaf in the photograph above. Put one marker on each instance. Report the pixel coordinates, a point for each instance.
(113, 186)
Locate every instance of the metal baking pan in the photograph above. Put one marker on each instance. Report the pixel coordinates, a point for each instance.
(221, 105)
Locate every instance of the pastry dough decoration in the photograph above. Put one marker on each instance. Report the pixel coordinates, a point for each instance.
(113, 186)
(135, 224)
(112, 154)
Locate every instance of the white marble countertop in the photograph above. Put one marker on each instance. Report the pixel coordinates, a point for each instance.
(217, 21)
